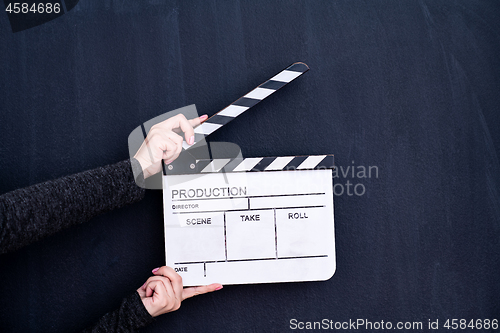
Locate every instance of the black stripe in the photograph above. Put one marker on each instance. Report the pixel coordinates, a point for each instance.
(218, 119)
(163, 167)
(326, 163)
(231, 165)
(293, 164)
(201, 164)
(264, 163)
(143, 131)
(270, 84)
(298, 67)
(248, 102)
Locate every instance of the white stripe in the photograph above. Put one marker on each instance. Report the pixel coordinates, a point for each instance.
(185, 145)
(248, 164)
(216, 165)
(311, 162)
(259, 93)
(206, 128)
(279, 163)
(286, 76)
(233, 110)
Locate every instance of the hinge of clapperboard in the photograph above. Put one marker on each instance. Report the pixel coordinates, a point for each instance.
(189, 163)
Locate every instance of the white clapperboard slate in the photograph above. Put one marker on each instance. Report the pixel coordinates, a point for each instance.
(249, 220)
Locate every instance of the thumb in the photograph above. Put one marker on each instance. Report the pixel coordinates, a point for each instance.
(193, 291)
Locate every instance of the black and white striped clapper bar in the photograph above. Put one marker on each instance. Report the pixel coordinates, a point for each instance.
(236, 220)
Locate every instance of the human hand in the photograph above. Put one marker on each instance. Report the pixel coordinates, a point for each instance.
(164, 292)
(164, 142)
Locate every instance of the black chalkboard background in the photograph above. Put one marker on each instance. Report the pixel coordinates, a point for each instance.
(412, 87)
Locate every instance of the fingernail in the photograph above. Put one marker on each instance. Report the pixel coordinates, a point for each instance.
(203, 117)
(219, 288)
(143, 285)
(191, 140)
(155, 270)
(167, 162)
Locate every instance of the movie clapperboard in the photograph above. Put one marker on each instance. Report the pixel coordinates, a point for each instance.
(235, 220)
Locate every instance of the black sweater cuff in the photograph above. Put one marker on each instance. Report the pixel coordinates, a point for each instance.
(129, 317)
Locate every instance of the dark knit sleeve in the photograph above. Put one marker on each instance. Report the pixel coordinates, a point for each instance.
(32, 213)
(129, 317)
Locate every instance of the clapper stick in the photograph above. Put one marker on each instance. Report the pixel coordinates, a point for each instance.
(244, 103)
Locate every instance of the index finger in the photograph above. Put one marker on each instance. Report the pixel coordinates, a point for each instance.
(197, 121)
(193, 291)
